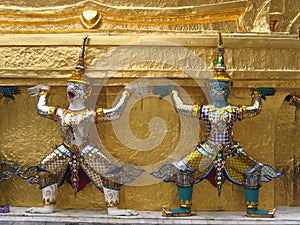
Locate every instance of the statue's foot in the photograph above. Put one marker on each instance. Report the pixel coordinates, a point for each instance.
(112, 211)
(41, 210)
(261, 213)
(175, 212)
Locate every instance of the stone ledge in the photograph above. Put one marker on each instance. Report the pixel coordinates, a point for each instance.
(17, 216)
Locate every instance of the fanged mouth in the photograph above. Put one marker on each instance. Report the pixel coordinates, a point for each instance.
(219, 93)
(70, 94)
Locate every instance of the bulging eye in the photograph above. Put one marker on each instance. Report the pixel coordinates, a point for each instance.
(76, 87)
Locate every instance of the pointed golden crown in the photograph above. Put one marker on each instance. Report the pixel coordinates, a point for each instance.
(79, 73)
(220, 68)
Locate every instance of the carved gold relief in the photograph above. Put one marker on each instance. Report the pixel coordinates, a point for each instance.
(230, 16)
(90, 18)
(92, 13)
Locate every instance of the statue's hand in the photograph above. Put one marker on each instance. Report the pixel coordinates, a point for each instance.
(9, 92)
(138, 89)
(34, 91)
(264, 91)
(163, 91)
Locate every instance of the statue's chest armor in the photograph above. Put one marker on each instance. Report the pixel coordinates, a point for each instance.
(74, 125)
(219, 119)
(70, 119)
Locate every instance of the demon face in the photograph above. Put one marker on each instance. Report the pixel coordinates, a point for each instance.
(76, 91)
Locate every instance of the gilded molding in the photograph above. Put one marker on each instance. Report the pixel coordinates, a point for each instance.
(91, 14)
(95, 16)
(29, 59)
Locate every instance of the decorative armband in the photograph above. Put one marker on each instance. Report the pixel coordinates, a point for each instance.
(127, 91)
(196, 111)
(99, 114)
(46, 179)
(252, 176)
(52, 111)
(174, 91)
(243, 112)
(256, 94)
(44, 92)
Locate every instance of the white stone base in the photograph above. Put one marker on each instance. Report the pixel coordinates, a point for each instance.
(17, 216)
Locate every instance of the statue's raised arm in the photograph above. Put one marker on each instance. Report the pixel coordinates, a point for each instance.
(42, 108)
(180, 107)
(115, 112)
(249, 111)
(183, 108)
